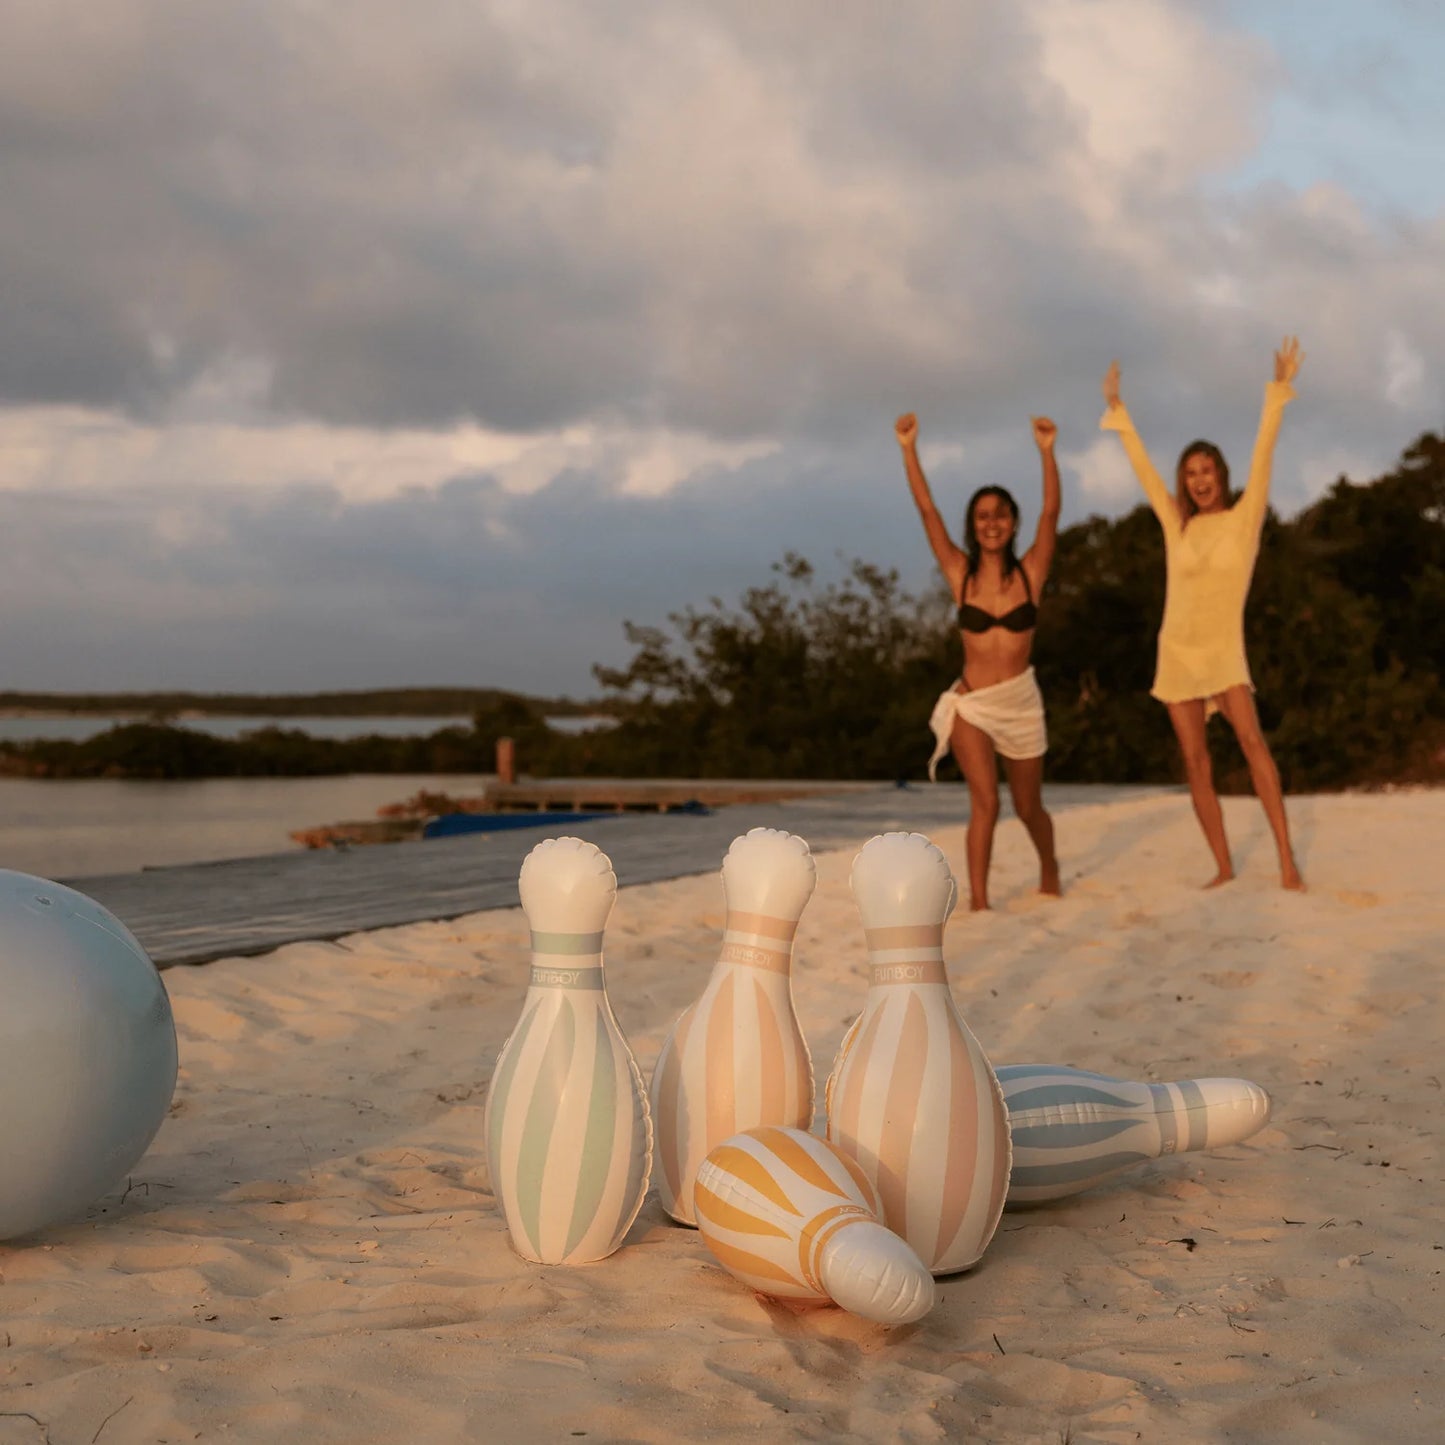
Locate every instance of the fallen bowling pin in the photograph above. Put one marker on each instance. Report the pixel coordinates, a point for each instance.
(568, 1137)
(794, 1217)
(736, 1058)
(912, 1097)
(1073, 1129)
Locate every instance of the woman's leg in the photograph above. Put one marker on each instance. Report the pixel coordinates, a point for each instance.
(1188, 720)
(1026, 784)
(1237, 704)
(974, 753)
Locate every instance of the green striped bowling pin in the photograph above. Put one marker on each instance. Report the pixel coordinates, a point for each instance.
(569, 1140)
(736, 1058)
(1072, 1129)
(912, 1097)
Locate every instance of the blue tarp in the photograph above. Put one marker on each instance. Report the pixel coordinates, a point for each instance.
(454, 825)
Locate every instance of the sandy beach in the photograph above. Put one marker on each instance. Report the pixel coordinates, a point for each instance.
(310, 1249)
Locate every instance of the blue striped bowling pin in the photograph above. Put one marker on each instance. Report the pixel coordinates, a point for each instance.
(736, 1058)
(1072, 1129)
(912, 1097)
(792, 1216)
(569, 1141)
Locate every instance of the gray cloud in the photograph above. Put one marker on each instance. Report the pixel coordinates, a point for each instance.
(714, 218)
(444, 585)
(781, 224)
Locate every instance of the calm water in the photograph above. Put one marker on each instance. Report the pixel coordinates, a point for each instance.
(77, 729)
(71, 828)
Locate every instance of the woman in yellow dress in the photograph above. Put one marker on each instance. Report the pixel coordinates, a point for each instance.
(995, 710)
(1210, 544)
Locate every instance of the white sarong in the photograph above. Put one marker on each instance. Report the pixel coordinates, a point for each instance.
(1011, 713)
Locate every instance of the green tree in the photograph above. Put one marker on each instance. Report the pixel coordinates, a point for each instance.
(797, 681)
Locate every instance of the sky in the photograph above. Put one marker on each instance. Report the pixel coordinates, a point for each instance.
(345, 344)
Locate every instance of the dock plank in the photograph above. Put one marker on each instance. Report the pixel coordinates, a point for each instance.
(198, 912)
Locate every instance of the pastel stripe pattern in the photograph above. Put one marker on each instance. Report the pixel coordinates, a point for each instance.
(567, 1130)
(912, 1096)
(1073, 1129)
(736, 1059)
(792, 1216)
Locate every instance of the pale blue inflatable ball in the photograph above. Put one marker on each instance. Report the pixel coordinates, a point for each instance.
(87, 1052)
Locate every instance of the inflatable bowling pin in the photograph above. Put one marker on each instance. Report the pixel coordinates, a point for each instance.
(569, 1140)
(736, 1058)
(794, 1217)
(912, 1097)
(1072, 1129)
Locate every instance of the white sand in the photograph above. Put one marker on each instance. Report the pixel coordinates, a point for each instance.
(309, 1252)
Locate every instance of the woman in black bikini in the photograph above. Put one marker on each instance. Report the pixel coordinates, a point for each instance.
(995, 709)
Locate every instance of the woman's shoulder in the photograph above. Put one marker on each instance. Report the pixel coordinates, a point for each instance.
(1035, 573)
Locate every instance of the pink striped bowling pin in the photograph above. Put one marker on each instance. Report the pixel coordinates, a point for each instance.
(568, 1137)
(791, 1215)
(912, 1097)
(736, 1058)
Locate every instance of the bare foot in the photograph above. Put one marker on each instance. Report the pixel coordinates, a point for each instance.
(1049, 879)
(1225, 875)
(1289, 877)
(978, 905)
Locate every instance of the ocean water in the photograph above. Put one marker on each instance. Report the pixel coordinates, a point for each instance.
(74, 828)
(77, 729)
(74, 729)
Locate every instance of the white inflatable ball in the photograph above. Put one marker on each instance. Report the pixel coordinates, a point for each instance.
(87, 1053)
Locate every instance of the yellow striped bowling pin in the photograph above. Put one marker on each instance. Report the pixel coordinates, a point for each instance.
(912, 1097)
(569, 1140)
(736, 1058)
(1072, 1129)
(792, 1216)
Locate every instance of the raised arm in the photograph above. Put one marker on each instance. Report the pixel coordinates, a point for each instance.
(1040, 557)
(951, 561)
(1277, 395)
(1116, 419)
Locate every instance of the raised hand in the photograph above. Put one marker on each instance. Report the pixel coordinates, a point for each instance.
(1045, 433)
(906, 429)
(1287, 359)
(1111, 385)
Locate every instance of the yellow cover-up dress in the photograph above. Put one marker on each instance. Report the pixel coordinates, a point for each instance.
(1210, 563)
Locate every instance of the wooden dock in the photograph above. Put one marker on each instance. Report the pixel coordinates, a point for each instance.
(652, 795)
(198, 912)
(571, 795)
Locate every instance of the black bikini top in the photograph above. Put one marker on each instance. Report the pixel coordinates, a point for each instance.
(1021, 619)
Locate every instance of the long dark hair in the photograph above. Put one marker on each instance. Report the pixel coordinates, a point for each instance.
(1182, 499)
(970, 535)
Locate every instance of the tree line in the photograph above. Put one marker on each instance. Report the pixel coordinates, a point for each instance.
(1345, 632)
(419, 702)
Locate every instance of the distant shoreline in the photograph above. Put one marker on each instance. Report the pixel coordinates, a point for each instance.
(179, 704)
(191, 714)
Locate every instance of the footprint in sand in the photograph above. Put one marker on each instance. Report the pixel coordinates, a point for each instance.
(1355, 897)
(1230, 978)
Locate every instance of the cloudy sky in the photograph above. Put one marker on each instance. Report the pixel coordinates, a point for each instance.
(345, 343)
